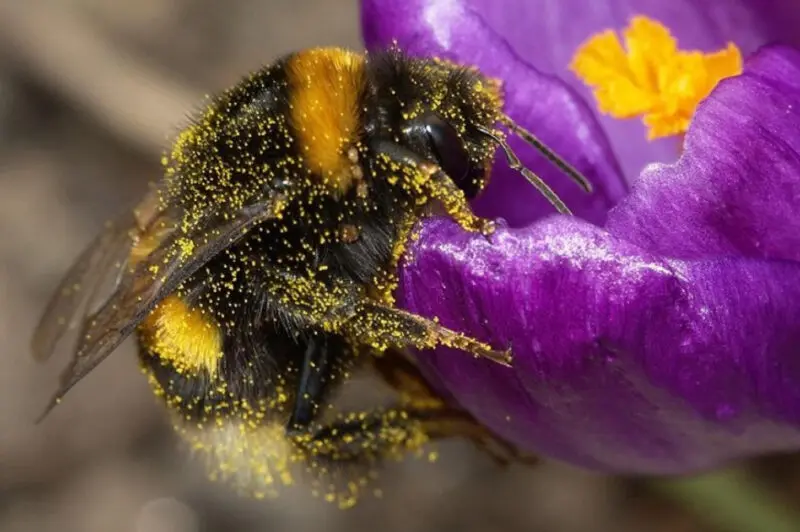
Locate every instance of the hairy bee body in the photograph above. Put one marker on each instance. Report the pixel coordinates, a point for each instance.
(259, 272)
(225, 350)
(266, 134)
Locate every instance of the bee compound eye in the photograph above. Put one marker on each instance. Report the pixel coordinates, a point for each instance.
(451, 153)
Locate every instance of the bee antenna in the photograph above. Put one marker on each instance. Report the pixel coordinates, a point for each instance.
(548, 153)
(515, 164)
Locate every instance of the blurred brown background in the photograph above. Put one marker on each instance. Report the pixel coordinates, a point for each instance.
(91, 91)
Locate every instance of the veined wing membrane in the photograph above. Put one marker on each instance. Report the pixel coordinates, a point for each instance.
(95, 274)
(104, 257)
(152, 279)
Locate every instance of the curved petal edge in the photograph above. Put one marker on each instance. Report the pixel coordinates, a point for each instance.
(624, 361)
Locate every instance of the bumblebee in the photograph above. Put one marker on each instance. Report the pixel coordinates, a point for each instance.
(258, 273)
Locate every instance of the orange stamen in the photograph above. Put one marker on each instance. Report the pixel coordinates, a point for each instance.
(651, 77)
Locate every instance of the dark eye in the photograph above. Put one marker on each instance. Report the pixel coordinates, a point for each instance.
(449, 150)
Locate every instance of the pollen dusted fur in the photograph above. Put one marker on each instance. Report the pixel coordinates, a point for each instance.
(262, 274)
(300, 302)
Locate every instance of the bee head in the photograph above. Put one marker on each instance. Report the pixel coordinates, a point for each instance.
(439, 111)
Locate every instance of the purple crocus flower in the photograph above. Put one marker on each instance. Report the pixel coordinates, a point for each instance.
(544, 34)
(658, 331)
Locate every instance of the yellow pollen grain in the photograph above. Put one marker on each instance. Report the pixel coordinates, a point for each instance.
(650, 77)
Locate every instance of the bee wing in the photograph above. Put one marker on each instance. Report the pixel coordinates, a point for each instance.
(103, 258)
(140, 289)
(101, 264)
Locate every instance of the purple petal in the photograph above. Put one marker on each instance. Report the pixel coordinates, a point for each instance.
(624, 361)
(667, 343)
(546, 34)
(735, 191)
(540, 103)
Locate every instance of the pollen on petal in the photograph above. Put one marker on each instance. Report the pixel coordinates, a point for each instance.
(650, 76)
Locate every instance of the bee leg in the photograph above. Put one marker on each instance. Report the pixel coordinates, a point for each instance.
(438, 185)
(444, 423)
(366, 437)
(384, 327)
(402, 374)
(394, 433)
(399, 372)
(344, 310)
(314, 381)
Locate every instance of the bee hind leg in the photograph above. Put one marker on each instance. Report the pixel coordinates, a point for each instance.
(367, 438)
(342, 455)
(420, 417)
(443, 421)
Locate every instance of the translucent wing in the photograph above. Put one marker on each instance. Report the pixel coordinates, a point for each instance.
(140, 288)
(96, 272)
(102, 260)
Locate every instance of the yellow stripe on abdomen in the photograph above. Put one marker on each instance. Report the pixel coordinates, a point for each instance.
(185, 337)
